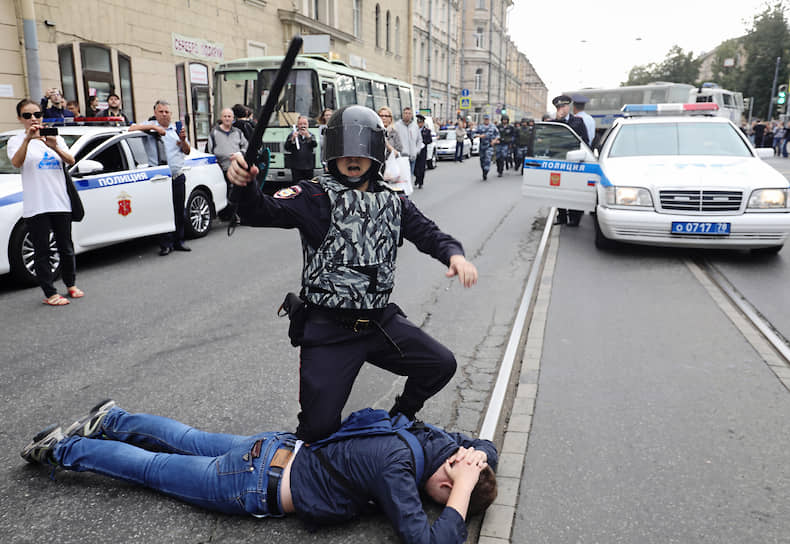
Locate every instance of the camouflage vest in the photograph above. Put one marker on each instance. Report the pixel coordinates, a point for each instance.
(354, 268)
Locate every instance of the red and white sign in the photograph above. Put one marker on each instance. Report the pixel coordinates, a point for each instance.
(195, 48)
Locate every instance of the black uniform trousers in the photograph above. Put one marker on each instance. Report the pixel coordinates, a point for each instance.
(332, 355)
(176, 237)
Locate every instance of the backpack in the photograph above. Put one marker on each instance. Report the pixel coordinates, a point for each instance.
(370, 422)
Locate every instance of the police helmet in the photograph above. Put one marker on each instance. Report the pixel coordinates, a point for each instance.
(354, 131)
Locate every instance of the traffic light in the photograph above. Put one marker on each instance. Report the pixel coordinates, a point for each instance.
(781, 96)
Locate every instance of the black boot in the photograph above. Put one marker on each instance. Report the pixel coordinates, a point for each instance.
(397, 408)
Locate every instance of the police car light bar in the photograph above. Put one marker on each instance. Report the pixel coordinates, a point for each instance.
(670, 108)
(97, 121)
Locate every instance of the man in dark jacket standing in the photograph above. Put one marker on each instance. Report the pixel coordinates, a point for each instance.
(422, 156)
(272, 474)
(564, 115)
(300, 145)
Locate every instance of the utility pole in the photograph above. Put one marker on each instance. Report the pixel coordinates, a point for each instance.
(428, 74)
(773, 90)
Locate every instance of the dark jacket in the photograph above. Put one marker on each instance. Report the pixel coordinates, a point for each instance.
(245, 126)
(302, 158)
(577, 124)
(380, 469)
(106, 113)
(309, 211)
(53, 112)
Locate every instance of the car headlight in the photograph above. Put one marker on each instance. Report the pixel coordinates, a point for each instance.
(628, 196)
(768, 199)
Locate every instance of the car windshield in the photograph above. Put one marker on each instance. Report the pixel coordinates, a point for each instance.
(444, 135)
(5, 162)
(650, 139)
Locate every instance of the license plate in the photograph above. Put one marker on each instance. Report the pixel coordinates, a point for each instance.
(698, 227)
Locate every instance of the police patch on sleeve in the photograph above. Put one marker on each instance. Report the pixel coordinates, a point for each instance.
(289, 192)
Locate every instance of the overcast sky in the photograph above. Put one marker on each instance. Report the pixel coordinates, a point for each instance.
(594, 44)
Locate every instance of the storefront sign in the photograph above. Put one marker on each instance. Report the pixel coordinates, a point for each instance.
(195, 48)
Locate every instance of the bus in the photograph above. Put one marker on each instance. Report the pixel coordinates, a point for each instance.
(605, 104)
(315, 83)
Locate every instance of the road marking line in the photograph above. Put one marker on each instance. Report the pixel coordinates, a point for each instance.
(497, 524)
(743, 315)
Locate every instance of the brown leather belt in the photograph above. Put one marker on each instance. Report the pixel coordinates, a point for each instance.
(275, 472)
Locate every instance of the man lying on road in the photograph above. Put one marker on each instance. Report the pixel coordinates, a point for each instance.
(273, 473)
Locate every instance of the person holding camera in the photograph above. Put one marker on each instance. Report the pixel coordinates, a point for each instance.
(176, 146)
(45, 203)
(58, 108)
(300, 145)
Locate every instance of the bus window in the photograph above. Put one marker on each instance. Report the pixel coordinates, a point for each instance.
(364, 93)
(346, 93)
(328, 90)
(656, 96)
(405, 98)
(379, 95)
(728, 101)
(236, 88)
(300, 93)
(394, 96)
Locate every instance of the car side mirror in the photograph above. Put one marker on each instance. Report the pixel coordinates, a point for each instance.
(577, 155)
(86, 167)
(765, 152)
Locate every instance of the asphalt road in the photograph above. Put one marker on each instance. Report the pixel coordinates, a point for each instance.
(194, 336)
(655, 420)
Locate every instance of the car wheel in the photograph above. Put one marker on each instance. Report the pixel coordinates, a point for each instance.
(601, 241)
(773, 250)
(432, 162)
(198, 210)
(21, 256)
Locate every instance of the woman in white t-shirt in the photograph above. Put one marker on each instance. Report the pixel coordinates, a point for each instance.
(45, 203)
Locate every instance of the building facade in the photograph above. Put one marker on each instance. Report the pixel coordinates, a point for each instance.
(167, 49)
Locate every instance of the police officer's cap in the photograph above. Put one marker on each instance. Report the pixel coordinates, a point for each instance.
(579, 99)
(561, 100)
(354, 131)
(486, 116)
(420, 117)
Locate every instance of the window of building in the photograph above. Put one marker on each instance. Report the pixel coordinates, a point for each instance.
(423, 58)
(478, 79)
(127, 93)
(479, 38)
(397, 35)
(315, 9)
(67, 80)
(357, 12)
(388, 31)
(378, 25)
(97, 72)
(481, 4)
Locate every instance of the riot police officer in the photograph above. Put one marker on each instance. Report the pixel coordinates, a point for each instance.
(489, 136)
(506, 133)
(351, 224)
(563, 105)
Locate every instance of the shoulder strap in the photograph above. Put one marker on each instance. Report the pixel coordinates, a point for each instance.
(417, 453)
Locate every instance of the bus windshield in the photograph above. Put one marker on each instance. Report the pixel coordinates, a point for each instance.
(300, 95)
(237, 87)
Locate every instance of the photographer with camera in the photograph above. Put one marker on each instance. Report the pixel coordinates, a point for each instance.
(58, 108)
(45, 203)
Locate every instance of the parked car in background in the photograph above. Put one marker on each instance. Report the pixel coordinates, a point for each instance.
(445, 145)
(124, 195)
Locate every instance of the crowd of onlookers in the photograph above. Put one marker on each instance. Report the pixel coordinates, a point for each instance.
(774, 134)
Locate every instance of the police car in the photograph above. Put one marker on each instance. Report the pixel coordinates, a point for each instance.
(124, 196)
(667, 177)
(445, 145)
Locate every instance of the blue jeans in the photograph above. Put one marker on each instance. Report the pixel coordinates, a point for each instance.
(459, 151)
(211, 470)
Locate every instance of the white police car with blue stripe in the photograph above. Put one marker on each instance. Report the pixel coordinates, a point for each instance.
(664, 178)
(123, 194)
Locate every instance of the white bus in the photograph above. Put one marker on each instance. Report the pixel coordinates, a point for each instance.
(315, 83)
(605, 104)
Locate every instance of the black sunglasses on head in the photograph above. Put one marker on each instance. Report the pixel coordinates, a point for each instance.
(28, 115)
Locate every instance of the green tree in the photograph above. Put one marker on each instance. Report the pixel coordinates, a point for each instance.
(767, 39)
(677, 67)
